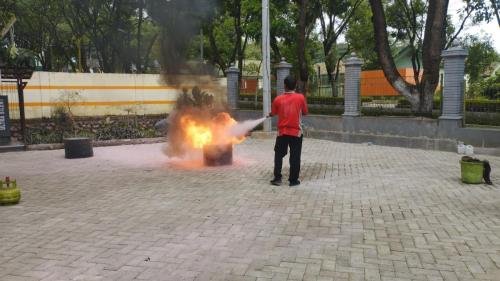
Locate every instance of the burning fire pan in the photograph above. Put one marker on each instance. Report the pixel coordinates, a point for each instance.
(218, 154)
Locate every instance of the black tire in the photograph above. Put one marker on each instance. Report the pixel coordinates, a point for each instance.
(78, 148)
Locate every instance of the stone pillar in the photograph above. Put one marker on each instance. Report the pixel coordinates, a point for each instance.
(352, 86)
(233, 77)
(454, 86)
(282, 71)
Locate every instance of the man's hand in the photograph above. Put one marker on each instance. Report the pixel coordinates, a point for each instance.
(269, 115)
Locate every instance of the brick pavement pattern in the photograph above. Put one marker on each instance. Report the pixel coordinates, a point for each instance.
(362, 212)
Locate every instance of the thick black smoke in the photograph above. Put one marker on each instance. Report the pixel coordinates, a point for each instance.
(181, 20)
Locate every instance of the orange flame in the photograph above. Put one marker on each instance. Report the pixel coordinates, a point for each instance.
(199, 133)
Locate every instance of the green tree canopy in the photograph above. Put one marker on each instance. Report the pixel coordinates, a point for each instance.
(481, 57)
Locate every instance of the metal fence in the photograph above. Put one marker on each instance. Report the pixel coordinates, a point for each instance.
(8, 88)
(482, 104)
(482, 112)
(321, 86)
(386, 102)
(317, 86)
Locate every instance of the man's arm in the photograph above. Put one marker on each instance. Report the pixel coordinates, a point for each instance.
(305, 111)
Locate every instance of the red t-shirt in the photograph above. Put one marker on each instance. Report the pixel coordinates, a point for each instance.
(289, 107)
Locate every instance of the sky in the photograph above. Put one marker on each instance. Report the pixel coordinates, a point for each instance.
(491, 28)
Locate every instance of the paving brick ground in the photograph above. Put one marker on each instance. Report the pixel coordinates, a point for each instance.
(362, 213)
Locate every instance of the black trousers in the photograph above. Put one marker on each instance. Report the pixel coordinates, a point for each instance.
(281, 149)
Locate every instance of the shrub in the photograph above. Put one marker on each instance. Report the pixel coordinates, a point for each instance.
(64, 122)
(488, 88)
(326, 100)
(487, 119)
(102, 128)
(326, 111)
(119, 130)
(482, 105)
(36, 135)
(403, 103)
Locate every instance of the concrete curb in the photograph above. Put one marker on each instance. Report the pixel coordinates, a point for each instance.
(53, 146)
(11, 147)
(385, 140)
(487, 151)
(263, 135)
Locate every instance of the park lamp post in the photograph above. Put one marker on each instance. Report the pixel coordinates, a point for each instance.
(266, 64)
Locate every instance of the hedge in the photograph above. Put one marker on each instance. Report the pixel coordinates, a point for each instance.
(470, 105)
(482, 105)
(325, 100)
(310, 100)
(479, 118)
(404, 103)
(482, 118)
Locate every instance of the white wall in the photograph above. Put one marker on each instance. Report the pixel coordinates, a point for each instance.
(97, 94)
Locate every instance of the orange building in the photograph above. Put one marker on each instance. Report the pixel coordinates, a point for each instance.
(249, 85)
(374, 83)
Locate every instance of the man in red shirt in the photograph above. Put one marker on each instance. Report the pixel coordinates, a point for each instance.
(290, 106)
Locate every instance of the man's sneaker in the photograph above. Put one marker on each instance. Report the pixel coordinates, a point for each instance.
(276, 182)
(294, 183)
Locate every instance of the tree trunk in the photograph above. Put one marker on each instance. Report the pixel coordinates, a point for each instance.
(333, 68)
(495, 8)
(108, 62)
(330, 65)
(148, 51)
(384, 53)
(216, 57)
(241, 56)
(301, 48)
(138, 60)
(47, 60)
(330, 69)
(385, 57)
(434, 41)
(84, 65)
(238, 33)
(420, 96)
(275, 48)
